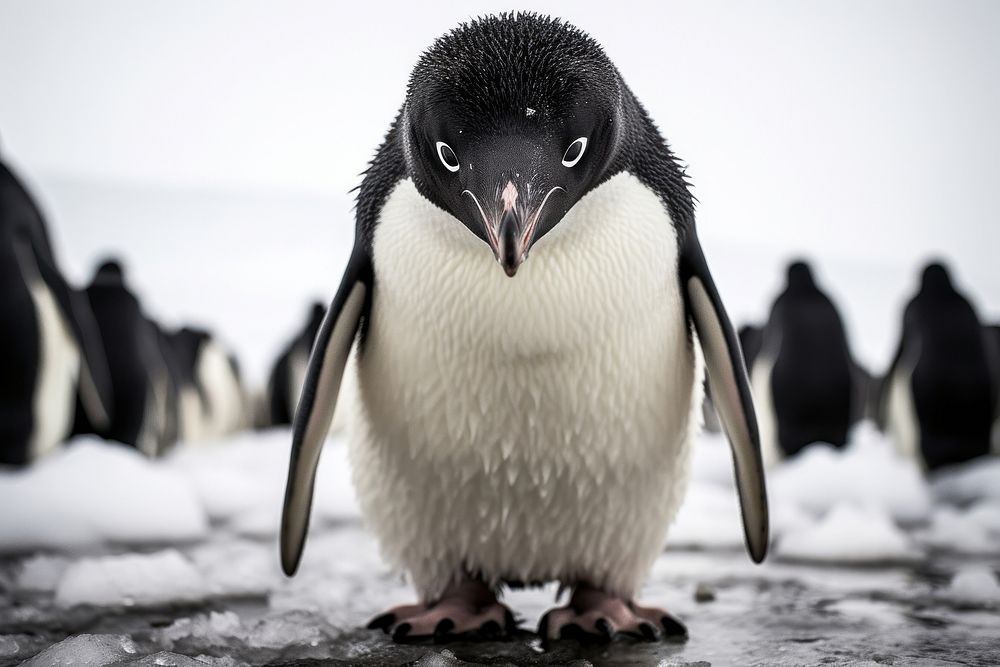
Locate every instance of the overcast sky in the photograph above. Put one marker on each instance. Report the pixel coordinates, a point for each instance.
(864, 130)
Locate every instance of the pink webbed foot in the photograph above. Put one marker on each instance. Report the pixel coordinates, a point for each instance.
(469, 610)
(592, 615)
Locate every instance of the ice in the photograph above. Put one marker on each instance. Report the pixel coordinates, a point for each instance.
(867, 471)
(975, 584)
(849, 533)
(86, 650)
(131, 579)
(978, 479)
(238, 568)
(94, 493)
(263, 637)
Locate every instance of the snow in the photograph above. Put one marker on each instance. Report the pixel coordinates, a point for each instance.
(41, 573)
(217, 507)
(132, 579)
(850, 533)
(961, 532)
(968, 482)
(868, 471)
(110, 494)
(973, 584)
(93, 493)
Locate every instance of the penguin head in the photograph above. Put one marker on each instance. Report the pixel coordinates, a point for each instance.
(509, 120)
(109, 272)
(800, 276)
(935, 279)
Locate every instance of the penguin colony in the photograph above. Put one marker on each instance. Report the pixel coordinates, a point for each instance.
(515, 421)
(938, 400)
(91, 360)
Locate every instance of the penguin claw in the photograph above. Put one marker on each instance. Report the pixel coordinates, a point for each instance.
(469, 611)
(593, 616)
(382, 622)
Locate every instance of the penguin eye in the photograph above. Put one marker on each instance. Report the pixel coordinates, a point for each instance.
(574, 152)
(447, 156)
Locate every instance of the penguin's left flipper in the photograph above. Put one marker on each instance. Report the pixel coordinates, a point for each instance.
(318, 400)
(730, 390)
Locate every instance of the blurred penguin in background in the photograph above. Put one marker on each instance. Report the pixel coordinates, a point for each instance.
(939, 399)
(751, 338)
(993, 347)
(145, 395)
(212, 399)
(805, 381)
(289, 372)
(50, 346)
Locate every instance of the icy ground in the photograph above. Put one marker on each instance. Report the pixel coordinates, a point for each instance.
(108, 558)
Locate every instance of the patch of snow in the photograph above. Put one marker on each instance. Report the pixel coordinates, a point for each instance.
(241, 481)
(131, 579)
(85, 650)
(867, 471)
(966, 483)
(849, 534)
(709, 519)
(987, 514)
(41, 573)
(974, 583)
(92, 493)
(958, 532)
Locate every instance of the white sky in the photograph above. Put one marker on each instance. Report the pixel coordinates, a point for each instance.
(853, 131)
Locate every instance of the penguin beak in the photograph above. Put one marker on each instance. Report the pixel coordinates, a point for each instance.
(511, 233)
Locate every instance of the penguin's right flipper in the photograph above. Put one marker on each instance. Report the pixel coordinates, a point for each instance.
(95, 389)
(730, 391)
(319, 399)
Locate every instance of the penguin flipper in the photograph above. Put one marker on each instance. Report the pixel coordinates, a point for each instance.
(730, 391)
(318, 401)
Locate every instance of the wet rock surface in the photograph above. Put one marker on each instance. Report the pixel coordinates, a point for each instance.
(776, 614)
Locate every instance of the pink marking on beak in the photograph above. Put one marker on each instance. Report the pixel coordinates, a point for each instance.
(509, 196)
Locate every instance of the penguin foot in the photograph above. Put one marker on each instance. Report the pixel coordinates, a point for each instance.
(595, 616)
(469, 610)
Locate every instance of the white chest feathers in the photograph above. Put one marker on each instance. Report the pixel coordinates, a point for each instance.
(529, 428)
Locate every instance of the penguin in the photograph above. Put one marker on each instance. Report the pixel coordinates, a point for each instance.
(145, 396)
(50, 346)
(939, 399)
(993, 341)
(803, 375)
(289, 371)
(212, 400)
(751, 338)
(523, 418)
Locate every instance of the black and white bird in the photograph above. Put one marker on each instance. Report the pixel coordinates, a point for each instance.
(145, 410)
(806, 383)
(523, 419)
(50, 346)
(939, 396)
(212, 400)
